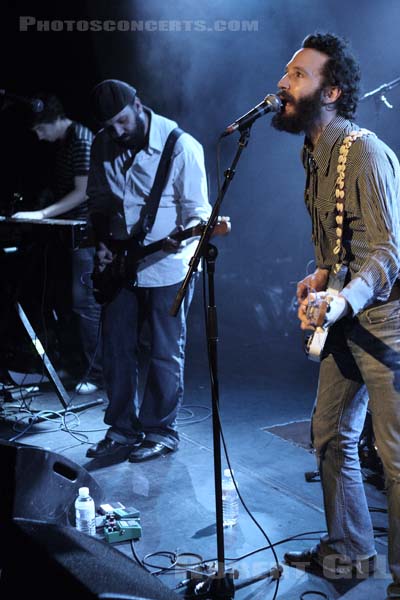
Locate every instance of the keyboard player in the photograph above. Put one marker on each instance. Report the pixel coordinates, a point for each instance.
(72, 142)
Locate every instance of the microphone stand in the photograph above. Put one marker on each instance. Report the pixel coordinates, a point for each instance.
(379, 92)
(219, 586)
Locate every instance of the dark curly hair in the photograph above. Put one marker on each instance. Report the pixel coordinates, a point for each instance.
(52, 109)
(341, 70)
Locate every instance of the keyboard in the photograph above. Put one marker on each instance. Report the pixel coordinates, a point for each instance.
(18, 231)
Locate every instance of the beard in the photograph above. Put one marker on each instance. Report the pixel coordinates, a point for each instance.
(137, 139)
(307, 113)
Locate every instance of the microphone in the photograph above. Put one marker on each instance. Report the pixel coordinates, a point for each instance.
(35, 104)
(271, 103)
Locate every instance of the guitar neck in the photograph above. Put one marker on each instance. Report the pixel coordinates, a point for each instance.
(179, 236)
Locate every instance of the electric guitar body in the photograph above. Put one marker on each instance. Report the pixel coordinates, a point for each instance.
(316, 312)
(107, 281)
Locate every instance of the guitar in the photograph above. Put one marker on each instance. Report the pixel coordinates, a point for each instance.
(316, 312)
(128, 253)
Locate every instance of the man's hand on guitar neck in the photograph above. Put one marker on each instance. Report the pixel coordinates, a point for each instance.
(171, 245)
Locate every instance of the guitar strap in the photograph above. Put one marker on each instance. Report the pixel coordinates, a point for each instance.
(338, 250)
(316, 342)
(151, 208)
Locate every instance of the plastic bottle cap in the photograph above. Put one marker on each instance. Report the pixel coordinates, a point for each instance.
(84, 491)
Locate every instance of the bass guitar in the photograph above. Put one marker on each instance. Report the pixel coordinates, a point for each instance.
(108, 280)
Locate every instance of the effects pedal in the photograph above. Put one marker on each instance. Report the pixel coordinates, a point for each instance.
(121, 530)
(119, 510)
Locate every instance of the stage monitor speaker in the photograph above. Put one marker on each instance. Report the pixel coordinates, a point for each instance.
(36, 483)
(48, 561)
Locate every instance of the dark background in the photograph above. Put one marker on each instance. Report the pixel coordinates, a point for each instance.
(204, 80)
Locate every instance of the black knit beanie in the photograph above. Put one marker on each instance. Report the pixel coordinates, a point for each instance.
(109, 97)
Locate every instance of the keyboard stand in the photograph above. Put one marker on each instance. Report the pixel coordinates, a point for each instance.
(60, 390)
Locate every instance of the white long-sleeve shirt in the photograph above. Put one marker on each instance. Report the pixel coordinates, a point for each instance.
(121, 196)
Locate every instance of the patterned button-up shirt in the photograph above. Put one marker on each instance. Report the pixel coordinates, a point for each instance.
(371, 236)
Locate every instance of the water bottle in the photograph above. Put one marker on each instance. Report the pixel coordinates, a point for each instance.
(230, 500)
(85, 516)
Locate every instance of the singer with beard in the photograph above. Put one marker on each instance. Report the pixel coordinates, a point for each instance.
(352, 194)
(124, 161)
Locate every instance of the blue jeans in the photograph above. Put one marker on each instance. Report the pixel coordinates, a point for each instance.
(123, 320)
(88, 311)
(361, 354)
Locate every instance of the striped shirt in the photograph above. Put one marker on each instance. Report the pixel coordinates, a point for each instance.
(371, 233)
(72, 160)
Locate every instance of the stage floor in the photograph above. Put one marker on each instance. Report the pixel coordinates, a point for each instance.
(175, 494)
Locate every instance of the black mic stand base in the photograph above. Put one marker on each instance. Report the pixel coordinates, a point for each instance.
(211, 586)
(223, 588)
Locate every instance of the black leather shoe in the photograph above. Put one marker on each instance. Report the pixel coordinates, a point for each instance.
(393, 590)
(331, 564)
(109, 447)
(301, 560)
(149, 450)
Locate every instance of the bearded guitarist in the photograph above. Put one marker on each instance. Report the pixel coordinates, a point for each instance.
(147, 179)
(352, 194)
